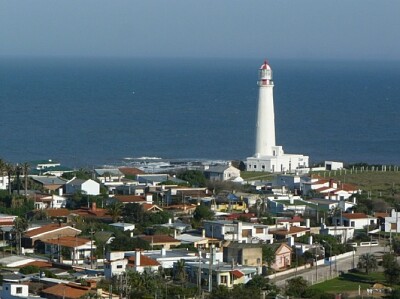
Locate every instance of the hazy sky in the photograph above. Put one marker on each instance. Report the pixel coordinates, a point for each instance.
(348, 29)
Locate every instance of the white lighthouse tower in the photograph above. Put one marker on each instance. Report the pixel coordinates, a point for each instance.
(265, 128)
(268, 156)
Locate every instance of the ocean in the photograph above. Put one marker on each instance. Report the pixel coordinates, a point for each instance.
(97, 111)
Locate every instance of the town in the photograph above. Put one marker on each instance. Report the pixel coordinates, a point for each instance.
(199, 231)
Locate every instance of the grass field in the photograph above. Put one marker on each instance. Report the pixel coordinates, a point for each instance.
(350, 282)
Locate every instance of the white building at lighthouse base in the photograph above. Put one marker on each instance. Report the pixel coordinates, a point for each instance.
(277, 162)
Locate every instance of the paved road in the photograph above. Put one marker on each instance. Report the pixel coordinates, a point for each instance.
(324, 272)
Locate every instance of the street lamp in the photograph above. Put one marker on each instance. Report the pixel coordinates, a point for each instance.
(330, 256)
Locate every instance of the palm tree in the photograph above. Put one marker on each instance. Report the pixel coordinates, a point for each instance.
(10, 171)
(368, 262)
(115, 209)
(180, 272)
(20, 226)
(25, 168)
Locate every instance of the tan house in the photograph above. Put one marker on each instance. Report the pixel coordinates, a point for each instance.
(50, 231)
(243, 254)
(283, 256)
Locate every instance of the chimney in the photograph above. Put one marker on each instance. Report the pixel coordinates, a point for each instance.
(60, 191)
(291, 241)
(203, 233)
(94, 207)
(174, 233)
(310, 240)
(137, 257)
(169, 220)
(291, 200)
(163, 252)
(308, 223)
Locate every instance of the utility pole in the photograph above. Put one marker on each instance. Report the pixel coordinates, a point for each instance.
(91, 248)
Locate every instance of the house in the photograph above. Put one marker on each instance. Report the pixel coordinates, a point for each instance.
(161, 240)
(3, 181)
(79, 248)
(43, 164)
(32, 238)
(66, 291)
(51, 171)
(229, 203)
(140, 263)
(222, 173)
(280, 204)
(88, 187)
(50, 201)
(49, 183)
(283, 256)
(392, 222)
(356, 220)
(342, 233)
(243, 254)
(328, 188)
(222, 274)
(108, 175)
(93, 212)
(115, 264)
(289, 231)
(15, 291)
(243, 232)
(123, 226)
(156, 179)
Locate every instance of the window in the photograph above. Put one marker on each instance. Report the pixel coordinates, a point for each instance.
(19, 290)
(224, 279)
(119, 266)
(255, 166)
(245, 262)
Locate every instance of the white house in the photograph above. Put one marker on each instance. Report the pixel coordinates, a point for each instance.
(392, 222)
(52, 201)
(342, 233)
(14, 291)
(3, 182)
(242, 232)
(115, 264)
(222, 173)
(356, 220)
(89, 187)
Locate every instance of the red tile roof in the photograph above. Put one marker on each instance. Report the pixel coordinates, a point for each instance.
(354, 215)
(67, 291)
(70, 242)
(145, 261)
(131, 171)
(130, 198)
(237, 273)
(381, 214)
(57, 212)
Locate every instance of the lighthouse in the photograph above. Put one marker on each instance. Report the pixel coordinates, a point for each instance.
(265, 127)
(268, 156)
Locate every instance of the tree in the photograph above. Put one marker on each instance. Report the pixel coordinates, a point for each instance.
(20, 226)
(115, 209)
(202, 212)
(268, 255)
(10, 171)
(392, 272)
(368, 262)
(296, 287)
(193, 177)
(180, 272)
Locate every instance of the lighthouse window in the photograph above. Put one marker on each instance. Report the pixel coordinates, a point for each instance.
(255, 166)
(263, 167)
